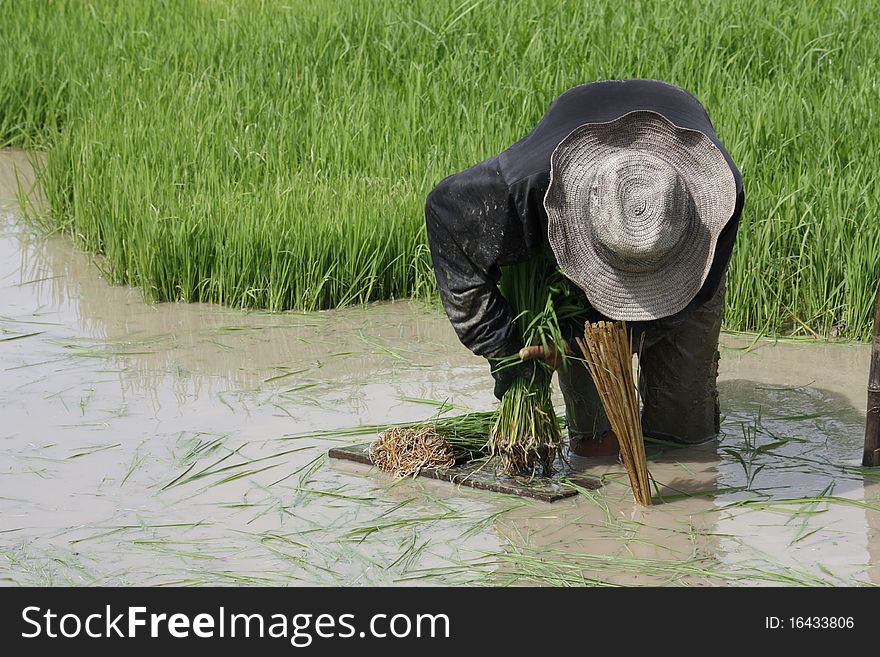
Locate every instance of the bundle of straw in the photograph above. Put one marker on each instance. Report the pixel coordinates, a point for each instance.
(433, 444)
(608, 354)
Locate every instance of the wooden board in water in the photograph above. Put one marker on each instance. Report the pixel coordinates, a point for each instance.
(545, 489)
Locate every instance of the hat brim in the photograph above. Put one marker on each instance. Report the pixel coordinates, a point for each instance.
(616, 293)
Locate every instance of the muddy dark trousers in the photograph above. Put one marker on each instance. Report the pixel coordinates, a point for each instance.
(679, 369)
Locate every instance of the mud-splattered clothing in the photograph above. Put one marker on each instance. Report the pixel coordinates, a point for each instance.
(492, 214)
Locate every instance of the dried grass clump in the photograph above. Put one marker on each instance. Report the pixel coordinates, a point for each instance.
(608, 354)
(405, 451)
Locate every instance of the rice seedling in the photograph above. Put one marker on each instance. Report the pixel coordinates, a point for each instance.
(230, 472)
(806, 502)
(91, 449)
(53, 566)
(121, 529)
(408, 451)
(409, 521)
(527, 432)
(542, 565)
(20, 336)
(434, 444)
(748, 455)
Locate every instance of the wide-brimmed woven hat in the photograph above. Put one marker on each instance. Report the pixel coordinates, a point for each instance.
(635, 207)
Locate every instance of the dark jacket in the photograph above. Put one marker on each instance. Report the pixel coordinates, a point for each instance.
(492, 214)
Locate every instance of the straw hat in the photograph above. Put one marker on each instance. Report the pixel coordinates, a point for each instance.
(635, 207)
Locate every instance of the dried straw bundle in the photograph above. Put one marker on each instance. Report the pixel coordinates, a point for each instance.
(608, 354)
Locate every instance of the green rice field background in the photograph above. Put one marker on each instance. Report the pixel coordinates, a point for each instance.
(277, 154)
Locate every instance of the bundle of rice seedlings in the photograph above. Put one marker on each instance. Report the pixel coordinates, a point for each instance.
(527, 432)
(608, 354)
(407, 450)
(438, 443)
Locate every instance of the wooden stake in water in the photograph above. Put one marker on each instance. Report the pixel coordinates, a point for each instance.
(608, 354)
(871, 455)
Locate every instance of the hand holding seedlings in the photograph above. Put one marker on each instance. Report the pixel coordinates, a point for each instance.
(551, 356)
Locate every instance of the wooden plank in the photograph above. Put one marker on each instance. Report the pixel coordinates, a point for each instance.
(545, 489)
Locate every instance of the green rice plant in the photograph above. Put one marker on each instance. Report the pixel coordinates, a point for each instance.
(277, 155)
(552, 566)
(527, 433)
(468, 434)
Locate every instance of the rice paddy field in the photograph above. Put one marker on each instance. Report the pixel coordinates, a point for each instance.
(267, 163)
(277, 155)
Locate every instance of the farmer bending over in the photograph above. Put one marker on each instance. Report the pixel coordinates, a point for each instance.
(625, 185)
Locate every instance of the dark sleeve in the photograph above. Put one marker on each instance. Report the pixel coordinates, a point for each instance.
(723, 252)
(474, 229)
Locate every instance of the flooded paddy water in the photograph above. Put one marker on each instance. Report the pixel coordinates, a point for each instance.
(167, 444)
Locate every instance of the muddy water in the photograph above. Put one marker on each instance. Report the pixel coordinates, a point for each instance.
(162, 443)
